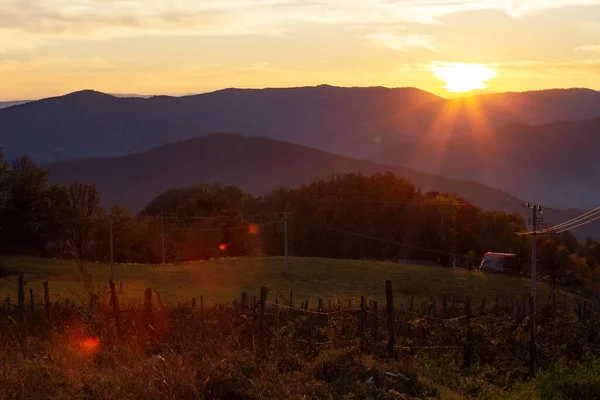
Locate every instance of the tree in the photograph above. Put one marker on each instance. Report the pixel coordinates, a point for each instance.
(23, 216)
(553, 257)
(85, 211)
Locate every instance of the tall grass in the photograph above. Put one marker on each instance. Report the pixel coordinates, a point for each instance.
(182, 352)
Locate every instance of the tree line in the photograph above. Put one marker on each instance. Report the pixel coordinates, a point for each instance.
(381, 217)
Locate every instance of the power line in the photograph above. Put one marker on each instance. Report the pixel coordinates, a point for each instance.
(378, 239)
(223, 229)
(573, 223)
(578, 225)
(589, 214)
(379, 201)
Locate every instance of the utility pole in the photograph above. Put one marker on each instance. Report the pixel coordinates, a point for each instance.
(112, 262)
(535, 223)
(162, 238)
(285, 240)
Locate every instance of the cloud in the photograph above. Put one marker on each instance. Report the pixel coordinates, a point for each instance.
(589, 48)
(39, 20)
(520, 8)
(588, 67)
(403, 42)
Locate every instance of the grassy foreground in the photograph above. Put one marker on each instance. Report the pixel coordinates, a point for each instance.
(220, 281)
(175, 351)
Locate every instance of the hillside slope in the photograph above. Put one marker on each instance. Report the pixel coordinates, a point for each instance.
(554, 164)
(254, 164)
(349, 121)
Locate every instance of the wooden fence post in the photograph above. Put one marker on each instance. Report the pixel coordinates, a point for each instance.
(445, 306)
(306, 305)
(243, 302)
(390, 317)
(263, 301)
(193, 302)
(532, 345)
(361, 319)
(31, 299)
(115, 304)
(320, 305)
(21, 297)
(375, 321)
(411, 303)
(120, 287)
(291, 303)
(469, 347)
(47, 298)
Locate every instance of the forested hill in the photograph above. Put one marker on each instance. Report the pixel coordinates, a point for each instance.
(349, 121)
(553, 164)
(256, 165)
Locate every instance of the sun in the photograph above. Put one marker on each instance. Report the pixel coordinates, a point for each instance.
(460, 78)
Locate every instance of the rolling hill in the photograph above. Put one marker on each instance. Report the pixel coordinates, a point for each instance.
(553, 164)
(348, 121)
(256, 165)
(489, 138)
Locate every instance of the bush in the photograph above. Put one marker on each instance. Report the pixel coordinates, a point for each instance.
(581, 381)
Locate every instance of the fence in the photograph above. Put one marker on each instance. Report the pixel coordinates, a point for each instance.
(468, 330)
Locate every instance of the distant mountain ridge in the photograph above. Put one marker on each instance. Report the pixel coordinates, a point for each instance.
(355, 122)
(347, 121)
(554, 164)
(6, 104)
(256, 165)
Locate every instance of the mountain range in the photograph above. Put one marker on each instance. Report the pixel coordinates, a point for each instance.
(6, 104)
(256, 165)
(555, 164)
(537, 145)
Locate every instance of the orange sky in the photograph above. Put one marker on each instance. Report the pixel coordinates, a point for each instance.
(52, 47)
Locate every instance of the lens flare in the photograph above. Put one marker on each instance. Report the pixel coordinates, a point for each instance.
(254, 229)
(90, 344)
(222, 247)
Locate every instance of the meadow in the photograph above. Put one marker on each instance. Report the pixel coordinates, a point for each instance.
(223, 280)
(170, 348)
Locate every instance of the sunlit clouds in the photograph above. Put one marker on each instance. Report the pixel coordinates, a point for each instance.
(403, 42)
(52, 47)
(589, 48)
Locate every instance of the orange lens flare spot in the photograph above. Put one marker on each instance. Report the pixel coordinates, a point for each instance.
(90, 344)
(222, 247)
(254, 229)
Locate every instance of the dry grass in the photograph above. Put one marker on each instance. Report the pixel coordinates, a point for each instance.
(216, 353)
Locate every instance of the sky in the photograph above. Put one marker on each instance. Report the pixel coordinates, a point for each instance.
(177, 47)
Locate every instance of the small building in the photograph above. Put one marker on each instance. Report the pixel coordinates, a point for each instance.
(498, 262)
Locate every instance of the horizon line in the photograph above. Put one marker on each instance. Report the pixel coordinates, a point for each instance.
(449, 96)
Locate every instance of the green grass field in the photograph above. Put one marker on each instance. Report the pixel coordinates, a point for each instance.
(309, 278)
